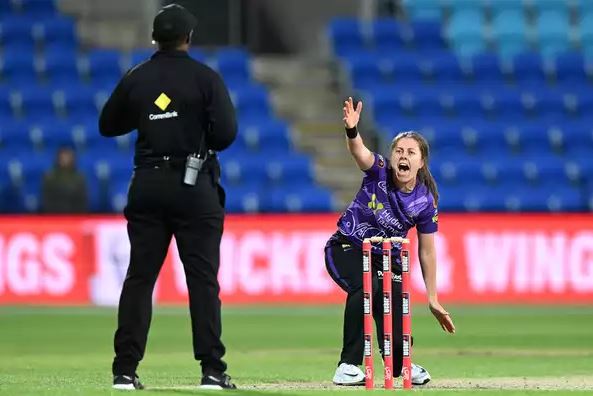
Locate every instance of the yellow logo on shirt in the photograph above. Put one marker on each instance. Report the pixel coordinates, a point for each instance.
(374, 205)
(162, 101)
(435, 218)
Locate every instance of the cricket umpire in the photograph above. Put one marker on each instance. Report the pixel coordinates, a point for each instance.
(183, 114)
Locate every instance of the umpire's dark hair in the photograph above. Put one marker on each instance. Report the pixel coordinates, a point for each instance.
(424, 174)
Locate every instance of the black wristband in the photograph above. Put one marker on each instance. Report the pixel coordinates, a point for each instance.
(351, 132)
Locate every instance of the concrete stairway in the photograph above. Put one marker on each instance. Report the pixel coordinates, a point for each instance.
(305, 93)
(113, 23)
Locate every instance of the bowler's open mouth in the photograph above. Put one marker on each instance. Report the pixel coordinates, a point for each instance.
(403, 167)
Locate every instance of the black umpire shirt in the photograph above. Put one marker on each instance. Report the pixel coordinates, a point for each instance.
(178, 106)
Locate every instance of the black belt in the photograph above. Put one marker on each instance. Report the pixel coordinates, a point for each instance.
(171, 162)
(166, 162)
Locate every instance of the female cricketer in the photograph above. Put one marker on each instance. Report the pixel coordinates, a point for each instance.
(396, 194)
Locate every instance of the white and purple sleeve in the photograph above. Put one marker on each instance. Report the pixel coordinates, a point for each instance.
(428, 220)
(377, 171)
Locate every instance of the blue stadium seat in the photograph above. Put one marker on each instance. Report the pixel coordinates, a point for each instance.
(38, 8)
(346, 36)
(579, 164)
(578, 99)
(554, 197)
(472, 197)
(443, 67)
(423, 9)
(233, 65)
(424, 103)
(529, 66)
(385, 105)
(465, 32)
(103, 65)
(272, 136)
(5, 8)
(252, 103)
(297, 198)
(77, 100)
(14, 136)
(51, 136)
(289, 168)
(484, 137)
(427, 34)
(463, 103)
(553, 31)
(35, 102)
(557, 6)
(243, 169)
(496, 168)
(533, 137)
(59, 30)
(509, 30)
(16, 29)
(365, 71)
(244, 199)
(573, 135)
(28, 166)
(87, 137)
(582, 7)
(59, 65)
(5, 103)
(107, 164)
(17, 68)
(465, 5)
(589, 196)
(26, 196)
(486, 67)
(444, 135)
(543, 102)
(389, 35)
(118, 194)
(503, 103)
(500, 6)
(12, 49)
(541, 168)
(570, 67)
(97, 193)
(457, 169)
(450, 197)
(403, 69)
(586, 33)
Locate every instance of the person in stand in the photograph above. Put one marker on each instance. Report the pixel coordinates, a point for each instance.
(64, 188)
(183, 114)
(397, 194)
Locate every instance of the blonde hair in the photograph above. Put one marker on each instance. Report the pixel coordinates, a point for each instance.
(424, 175)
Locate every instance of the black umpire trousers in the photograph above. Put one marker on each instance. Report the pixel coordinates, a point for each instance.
(343, 262)
(161, 206)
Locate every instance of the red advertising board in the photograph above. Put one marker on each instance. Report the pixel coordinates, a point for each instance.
(43, 261)
(498, 258)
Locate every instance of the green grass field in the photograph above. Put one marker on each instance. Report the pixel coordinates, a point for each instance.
(293, 351)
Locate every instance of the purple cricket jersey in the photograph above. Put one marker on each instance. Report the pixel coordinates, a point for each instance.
(379, 209)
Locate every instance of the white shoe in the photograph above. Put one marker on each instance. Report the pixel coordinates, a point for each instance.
(419, 375)
(348, 374)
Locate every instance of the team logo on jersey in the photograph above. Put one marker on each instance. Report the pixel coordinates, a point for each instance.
(374, 205)
(435, 218)
(162, 102)
(381, 162)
